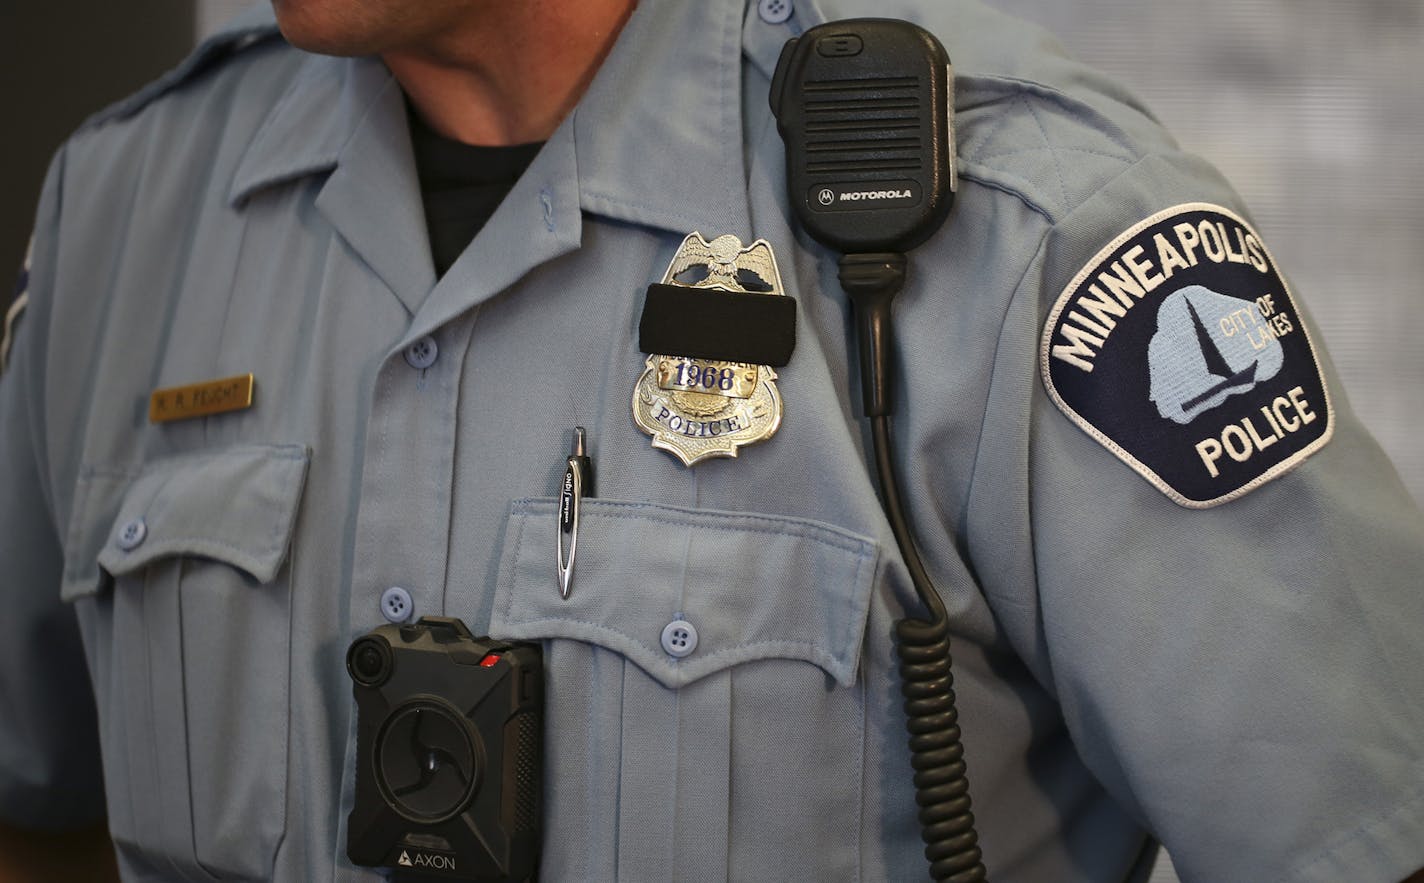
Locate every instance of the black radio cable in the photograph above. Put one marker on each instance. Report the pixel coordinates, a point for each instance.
(926, 681)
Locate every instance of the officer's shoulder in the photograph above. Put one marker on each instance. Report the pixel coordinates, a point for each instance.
(249, 39)
(1030, 120)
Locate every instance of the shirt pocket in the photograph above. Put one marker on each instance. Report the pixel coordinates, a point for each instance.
(719, 758)
(178, 575)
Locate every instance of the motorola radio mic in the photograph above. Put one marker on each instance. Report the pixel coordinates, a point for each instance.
(865, 107)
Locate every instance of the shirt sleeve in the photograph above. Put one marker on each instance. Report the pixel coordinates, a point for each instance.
(50, 774)
(1241, 670)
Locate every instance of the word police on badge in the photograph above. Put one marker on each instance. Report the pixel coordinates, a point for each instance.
(696, 405)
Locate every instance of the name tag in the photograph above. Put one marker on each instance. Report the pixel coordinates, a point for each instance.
(200, 399)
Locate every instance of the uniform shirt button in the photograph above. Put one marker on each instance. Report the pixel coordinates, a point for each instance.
(132, 534)
(422, 354)
(396, 605)
(679, 638)
(774, 12)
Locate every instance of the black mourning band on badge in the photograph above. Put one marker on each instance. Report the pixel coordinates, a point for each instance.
(709, 323)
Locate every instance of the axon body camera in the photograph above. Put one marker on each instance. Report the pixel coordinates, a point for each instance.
(448, 753)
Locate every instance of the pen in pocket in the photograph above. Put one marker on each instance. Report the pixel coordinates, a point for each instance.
(577, 484)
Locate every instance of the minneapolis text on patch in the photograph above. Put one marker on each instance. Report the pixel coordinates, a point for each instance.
(1134, 275)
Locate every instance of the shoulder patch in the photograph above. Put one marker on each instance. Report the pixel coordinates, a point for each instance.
(1180, 349)
(16, 307)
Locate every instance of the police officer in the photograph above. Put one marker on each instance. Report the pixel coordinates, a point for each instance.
(1183, 582)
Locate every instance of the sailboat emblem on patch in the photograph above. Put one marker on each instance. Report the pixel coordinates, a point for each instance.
(1193, 370)
(1180, 349)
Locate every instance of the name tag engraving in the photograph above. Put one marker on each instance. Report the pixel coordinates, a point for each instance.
(200, 399)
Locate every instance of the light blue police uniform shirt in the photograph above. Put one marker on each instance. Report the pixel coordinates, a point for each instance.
(1244, 681)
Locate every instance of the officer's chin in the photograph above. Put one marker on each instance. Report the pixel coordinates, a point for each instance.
(328, 27)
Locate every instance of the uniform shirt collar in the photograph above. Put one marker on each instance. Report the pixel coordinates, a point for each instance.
(659, 132)
(657, 137)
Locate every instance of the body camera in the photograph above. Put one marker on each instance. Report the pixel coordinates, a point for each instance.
(448, 752)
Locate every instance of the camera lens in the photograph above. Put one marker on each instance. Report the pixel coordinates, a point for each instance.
(427, 762)
(369, 661)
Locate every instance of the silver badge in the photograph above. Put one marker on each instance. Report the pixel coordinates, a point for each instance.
(702, 408)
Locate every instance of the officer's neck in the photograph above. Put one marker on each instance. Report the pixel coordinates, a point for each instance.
(513, 73)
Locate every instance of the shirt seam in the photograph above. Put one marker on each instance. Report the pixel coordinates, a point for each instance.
(1370, 825)
(861, 549)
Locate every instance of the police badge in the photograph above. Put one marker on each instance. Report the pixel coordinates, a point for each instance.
(722, 307)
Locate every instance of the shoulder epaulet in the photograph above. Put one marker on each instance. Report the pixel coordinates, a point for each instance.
(250, 29)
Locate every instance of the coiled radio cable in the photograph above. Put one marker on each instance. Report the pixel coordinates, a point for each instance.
(926, 681)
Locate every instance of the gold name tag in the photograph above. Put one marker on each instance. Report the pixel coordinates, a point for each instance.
(200, 399)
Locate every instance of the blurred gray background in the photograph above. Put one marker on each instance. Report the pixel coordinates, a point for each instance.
(1313, 108)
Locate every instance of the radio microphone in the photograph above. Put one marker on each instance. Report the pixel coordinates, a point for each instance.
(865, 108)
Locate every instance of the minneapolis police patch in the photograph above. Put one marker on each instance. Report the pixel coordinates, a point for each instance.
(1179, 348)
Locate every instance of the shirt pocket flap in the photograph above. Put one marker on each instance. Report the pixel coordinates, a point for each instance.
(235, 505)
(753, 586)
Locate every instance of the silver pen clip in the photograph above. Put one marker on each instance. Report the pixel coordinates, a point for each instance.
(578, 481)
